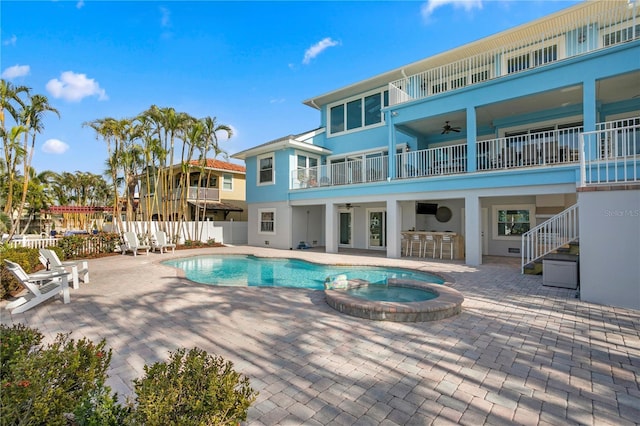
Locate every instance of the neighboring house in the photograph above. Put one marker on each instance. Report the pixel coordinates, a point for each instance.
(215, 192)
(485, 140)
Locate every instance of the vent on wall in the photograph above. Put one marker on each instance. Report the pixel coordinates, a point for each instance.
(514, 250)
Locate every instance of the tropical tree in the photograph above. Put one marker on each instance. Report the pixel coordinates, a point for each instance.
(32, 118)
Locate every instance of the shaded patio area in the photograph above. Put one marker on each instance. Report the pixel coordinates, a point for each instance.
(518, 353)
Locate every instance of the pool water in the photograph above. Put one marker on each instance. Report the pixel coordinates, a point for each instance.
(235, 270)
(382, 293)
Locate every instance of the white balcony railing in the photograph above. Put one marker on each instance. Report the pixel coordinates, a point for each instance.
(611, 153)
(609, 24)
(531, 149)
(444, 160)
(351, 171)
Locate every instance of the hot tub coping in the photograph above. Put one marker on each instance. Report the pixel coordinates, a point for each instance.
(447, 303)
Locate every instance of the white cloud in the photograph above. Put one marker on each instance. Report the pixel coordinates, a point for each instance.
(74, 87)
(318, 48)
(430, 6)
(55, 146)
(16, 71)
(11, 41)
(165, 19)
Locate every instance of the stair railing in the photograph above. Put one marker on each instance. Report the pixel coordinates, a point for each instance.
(550, 235)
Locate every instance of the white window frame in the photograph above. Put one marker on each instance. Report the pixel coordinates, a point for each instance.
(530, 51)
(273, 169)
(260, 221)
(230, 182)
(362, 98)
(496, 208)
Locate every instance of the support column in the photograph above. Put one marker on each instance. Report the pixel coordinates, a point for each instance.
(391, 158)
(331, 228)
(394, 225)
(590, 116)
(473, 230)
(471, 139)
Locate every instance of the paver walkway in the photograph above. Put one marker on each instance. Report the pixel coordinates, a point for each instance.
(520, 353)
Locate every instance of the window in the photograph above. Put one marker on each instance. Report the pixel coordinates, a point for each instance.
(354, 114)
(512, 221)
(533, 58)
(357, 113)
(337, 119)
(620, 36)
(307, 169)
(227, 182)
(267, 221)
(265, 169)
(372, 106)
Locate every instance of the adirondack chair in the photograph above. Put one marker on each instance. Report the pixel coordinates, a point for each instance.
(132, 244)
(52, 283)
(160, 242)
(78, 268)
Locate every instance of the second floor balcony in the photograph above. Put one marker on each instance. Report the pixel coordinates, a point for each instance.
(194, 193)
(617, 141)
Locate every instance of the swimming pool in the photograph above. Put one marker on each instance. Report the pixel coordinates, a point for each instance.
(239, 270)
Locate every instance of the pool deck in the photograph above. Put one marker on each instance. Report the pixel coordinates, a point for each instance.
(519, 353)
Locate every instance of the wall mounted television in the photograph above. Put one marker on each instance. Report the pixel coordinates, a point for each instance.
(426, 208)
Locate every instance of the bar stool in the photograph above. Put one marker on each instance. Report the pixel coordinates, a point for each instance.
(415, 239)
(404, 243)
(429, 240)
(444, 241)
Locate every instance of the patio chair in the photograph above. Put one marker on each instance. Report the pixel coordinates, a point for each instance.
(161, 243)
(53, 283)
(78, 268)
(132, 244)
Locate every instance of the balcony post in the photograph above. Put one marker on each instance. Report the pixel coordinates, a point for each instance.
(589, 113)
(472, 161)
(392, 145)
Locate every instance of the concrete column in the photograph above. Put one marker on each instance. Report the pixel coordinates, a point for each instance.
(473, 230)
(471, 139)
(394, 225)
(331, 228)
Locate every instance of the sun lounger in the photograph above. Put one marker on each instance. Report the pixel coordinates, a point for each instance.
(160, 242)
(132, 244)
(78, 268)
(52, 284)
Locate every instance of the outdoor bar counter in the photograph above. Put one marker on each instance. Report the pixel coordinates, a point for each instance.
(458, 242)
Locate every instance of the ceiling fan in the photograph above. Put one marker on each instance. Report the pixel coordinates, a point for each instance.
(349, 205)
(447, 128)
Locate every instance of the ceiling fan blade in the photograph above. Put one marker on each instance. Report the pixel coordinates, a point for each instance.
(444, 131)
(456, 129)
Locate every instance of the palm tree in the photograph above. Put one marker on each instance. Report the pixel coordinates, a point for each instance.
(32, 116)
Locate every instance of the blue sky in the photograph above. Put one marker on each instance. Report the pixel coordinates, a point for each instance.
(249, 64)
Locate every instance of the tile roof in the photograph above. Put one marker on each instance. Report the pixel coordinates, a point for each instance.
(221, 165)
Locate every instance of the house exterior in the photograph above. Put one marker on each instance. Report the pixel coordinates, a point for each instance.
(216, 191)
(487, 141)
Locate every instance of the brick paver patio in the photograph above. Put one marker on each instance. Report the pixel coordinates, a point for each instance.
(520, 353)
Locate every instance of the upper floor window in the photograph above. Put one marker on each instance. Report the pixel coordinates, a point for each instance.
(265, 169)
(532, 58)
(357, 113)
(621, 35)
(227, 182)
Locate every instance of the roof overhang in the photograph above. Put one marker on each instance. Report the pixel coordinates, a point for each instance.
(547, 24)
(292, 141)
(216, 205)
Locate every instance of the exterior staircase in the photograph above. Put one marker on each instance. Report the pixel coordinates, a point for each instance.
(558, 234)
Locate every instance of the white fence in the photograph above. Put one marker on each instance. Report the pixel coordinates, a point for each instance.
(222, 232)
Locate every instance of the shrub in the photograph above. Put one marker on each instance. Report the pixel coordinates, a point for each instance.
(43, 385)
(192, 388)
(25, 257)
(15, 343)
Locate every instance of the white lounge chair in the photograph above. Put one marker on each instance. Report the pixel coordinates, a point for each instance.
(132, 244)
(161, 243)
(53, 283)
(78, 268)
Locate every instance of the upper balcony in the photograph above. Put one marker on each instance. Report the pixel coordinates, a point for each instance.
(612, 152)
(597, 25)
(195, 193)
